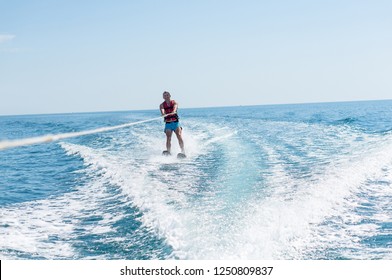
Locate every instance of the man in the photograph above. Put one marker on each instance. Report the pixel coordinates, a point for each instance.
(172, 123)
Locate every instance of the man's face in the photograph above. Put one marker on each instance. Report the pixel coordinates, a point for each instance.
(166, 96)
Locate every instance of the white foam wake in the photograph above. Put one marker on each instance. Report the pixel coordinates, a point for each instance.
(319, 214)
(49, 228)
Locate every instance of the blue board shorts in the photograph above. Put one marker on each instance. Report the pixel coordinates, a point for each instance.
(171, 126)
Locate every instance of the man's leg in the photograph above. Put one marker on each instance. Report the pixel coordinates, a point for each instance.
(179, 137)
(168, 139)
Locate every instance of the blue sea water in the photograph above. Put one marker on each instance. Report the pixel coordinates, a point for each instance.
(305, 181)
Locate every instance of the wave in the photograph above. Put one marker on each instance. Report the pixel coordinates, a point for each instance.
(347, 120)
(310, 218)
(243, 192)
(290, 220)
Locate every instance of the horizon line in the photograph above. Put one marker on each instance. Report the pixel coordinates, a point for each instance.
(206, 107)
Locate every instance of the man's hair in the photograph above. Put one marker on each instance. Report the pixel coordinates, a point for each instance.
(166, 92)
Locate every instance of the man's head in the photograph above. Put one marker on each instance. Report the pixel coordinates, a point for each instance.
(166, 95)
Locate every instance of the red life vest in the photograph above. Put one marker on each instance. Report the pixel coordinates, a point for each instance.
(169, 109)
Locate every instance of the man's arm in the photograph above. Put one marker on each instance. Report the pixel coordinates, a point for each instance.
(162, 109)
(175, 106)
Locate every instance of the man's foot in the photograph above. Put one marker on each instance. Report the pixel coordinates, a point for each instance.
(166, 153)
(181, 155)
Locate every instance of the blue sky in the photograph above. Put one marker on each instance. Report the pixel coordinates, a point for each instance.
(83, 56)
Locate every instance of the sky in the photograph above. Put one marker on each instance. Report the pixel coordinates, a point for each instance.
(64, 56)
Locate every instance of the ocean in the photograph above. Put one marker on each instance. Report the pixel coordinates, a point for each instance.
(280, 182)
